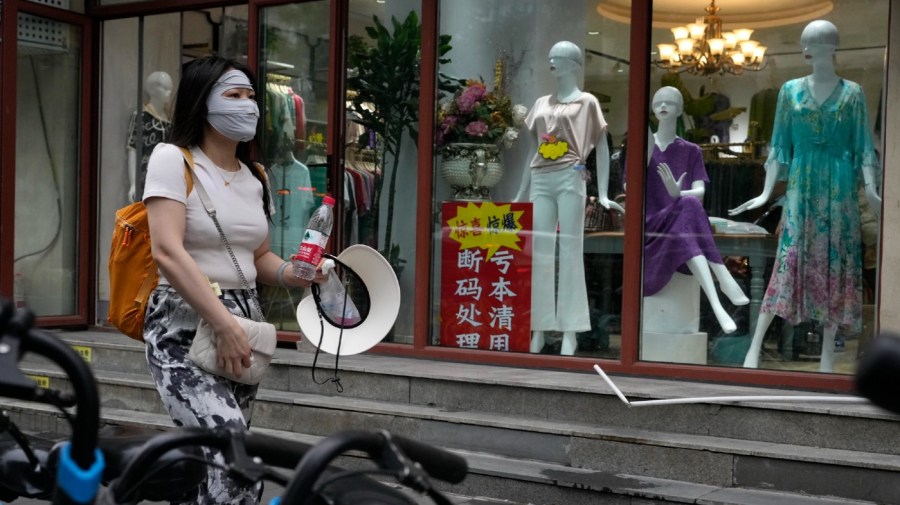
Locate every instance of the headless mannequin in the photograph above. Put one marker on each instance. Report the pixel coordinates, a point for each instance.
(158, 87)
(565, 60)
(819, 40)
(667, 107)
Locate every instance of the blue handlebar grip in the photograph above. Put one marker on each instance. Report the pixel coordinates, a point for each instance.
(80, 485)
(276, 500)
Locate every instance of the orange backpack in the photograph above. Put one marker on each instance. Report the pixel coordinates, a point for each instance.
(132, 270)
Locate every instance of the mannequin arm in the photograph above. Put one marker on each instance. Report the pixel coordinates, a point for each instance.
(772, 168)
(522, 195)
(132, 172)
(603, 176)
(871, 191)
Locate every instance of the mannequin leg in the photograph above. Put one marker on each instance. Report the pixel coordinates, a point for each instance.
(826, 362)
(700, 268)
(569, 344)
(762, 325)
(729, 286)
(543, 253)
(537, 342)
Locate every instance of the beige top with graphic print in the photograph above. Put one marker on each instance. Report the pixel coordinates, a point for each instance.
(566, 132)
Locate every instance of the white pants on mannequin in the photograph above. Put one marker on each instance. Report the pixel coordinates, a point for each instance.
(558, 199)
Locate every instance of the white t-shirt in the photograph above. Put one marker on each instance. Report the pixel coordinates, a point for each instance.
(238, 205)
(566, 131)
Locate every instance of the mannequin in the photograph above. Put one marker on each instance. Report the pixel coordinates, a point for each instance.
(568, 126)
(678, 236)
(821, 124)
(150, 127)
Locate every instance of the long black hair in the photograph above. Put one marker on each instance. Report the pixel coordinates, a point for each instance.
(189, 119)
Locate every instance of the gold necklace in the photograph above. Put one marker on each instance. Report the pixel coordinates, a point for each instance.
(227, 181)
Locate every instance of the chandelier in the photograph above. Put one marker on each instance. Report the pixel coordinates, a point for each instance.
(701, 48)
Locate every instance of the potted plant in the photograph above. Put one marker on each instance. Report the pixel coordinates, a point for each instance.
(384, 76)
(472, 126)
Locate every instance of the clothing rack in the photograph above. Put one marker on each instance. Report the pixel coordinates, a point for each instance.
(750, 151)
(278, 78)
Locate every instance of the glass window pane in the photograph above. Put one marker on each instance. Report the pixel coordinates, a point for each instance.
(141, 65)
(47, 164)
(746, 266)
(527, 259)
(381, 155)
(294, 55)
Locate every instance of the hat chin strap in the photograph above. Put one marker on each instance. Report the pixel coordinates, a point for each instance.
(337, 356)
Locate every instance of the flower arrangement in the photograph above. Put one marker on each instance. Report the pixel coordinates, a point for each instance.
(476, 115)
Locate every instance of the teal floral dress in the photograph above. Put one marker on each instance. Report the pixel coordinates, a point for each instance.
(821, 150)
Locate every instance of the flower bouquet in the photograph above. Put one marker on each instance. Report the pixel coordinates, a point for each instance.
(472, 126)
(476, 115)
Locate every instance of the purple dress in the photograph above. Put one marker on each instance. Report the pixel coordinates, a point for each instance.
(676, 229)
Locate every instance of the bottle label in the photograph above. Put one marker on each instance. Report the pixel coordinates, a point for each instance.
(312, 247)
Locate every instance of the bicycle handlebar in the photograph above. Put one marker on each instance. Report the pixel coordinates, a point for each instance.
(81, 463)
(437, 462)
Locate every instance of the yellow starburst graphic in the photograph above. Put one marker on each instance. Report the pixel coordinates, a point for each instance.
(487, 226)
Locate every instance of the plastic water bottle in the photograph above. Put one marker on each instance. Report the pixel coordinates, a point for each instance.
(314, 241)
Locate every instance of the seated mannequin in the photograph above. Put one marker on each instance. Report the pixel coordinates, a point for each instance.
(150, 126)
(678, 237)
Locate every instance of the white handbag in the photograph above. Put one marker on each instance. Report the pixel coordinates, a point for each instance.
(262, 340)
(260, 334)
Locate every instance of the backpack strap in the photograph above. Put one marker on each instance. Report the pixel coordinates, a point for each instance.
(188, 168)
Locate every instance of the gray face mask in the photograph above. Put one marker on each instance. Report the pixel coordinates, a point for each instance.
(234, 118)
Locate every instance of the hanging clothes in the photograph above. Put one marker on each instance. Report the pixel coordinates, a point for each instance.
(292, 195)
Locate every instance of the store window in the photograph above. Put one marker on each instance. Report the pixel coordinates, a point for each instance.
(530, 147)
(47, 165)
(380, 172)
(140, 68)
(73, 5)
(293, 72)
(760, 239)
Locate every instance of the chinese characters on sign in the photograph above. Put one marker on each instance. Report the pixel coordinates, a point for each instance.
(486, 276)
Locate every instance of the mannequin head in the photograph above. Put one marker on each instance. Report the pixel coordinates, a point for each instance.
(667, 103)
(565, 58)
(158, 86)
(819, 40)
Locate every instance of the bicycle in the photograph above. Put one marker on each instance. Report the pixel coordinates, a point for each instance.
(124, 466)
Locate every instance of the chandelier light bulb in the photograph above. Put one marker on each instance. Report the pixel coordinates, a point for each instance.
(730, 40)
(743, 34)
(680, 32)
(666, 51)
(685, 46)
(698, 30)
(748, 47)
(716, 46)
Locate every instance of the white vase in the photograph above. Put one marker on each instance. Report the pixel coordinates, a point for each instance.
(471, 169)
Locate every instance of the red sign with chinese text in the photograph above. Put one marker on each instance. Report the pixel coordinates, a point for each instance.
(486, 276)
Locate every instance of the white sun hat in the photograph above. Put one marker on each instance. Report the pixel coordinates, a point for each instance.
(380, 282)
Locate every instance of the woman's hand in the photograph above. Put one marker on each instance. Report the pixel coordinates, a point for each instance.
(673, 187)
(232, 347)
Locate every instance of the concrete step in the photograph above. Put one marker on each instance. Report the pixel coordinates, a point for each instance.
(561, 397)
(701, 459)
(495, 479)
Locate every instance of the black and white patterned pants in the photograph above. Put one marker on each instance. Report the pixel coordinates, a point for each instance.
(194, 397)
